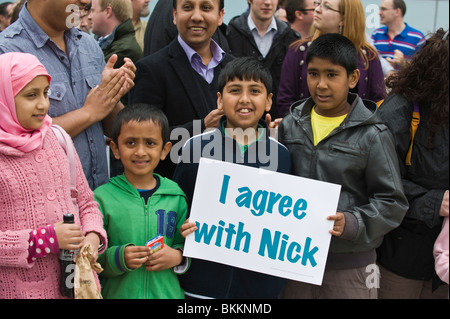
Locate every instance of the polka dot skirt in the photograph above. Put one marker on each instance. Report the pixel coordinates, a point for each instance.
(42, 242)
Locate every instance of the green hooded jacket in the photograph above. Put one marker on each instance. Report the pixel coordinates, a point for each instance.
(129, 221)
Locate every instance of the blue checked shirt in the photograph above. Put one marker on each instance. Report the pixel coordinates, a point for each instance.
(73, 76)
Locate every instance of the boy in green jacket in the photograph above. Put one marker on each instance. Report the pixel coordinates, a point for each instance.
(138, 206)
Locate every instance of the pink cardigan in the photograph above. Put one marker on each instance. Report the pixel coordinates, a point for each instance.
(441, 252)
(35, 192)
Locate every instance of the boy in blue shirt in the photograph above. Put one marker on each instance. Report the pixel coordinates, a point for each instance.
(242, 137)
(334, 136)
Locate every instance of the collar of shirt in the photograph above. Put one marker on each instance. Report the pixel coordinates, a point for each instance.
(206, 72)
(265, 42)
(404, 32)
(272, 27)
(105, 41)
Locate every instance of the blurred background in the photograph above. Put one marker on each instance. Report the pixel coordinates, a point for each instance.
(425, 15)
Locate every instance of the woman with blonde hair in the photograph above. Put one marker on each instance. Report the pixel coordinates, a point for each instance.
(332, 16)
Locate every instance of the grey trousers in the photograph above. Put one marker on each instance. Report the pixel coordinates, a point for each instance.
(354, 283)
(393, 286)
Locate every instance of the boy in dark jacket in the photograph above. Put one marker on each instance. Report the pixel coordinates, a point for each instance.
(336, 137)
(244, 95)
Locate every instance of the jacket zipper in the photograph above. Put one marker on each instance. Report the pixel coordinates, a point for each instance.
(146, 234)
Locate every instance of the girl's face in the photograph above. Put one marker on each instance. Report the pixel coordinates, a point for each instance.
(32, 103)
(326, 17)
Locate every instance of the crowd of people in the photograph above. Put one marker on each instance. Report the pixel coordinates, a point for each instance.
(298, 81)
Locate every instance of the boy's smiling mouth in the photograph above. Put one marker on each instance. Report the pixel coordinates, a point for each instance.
(244, 111)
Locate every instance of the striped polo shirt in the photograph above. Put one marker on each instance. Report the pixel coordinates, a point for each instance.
(408, 41)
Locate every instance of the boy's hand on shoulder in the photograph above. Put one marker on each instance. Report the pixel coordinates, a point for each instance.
(339, 224)
(135, 256)
(165, 258)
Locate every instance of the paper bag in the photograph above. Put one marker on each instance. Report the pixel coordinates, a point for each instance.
(85, 284)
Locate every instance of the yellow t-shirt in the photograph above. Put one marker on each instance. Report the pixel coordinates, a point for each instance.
(322, 125)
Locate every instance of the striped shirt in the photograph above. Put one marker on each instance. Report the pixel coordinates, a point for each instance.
(408, 42)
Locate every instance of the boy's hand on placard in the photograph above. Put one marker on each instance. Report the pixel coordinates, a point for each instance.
(187, 228)
(339, 224)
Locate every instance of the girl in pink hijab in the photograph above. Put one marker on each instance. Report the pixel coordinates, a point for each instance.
(35, 187)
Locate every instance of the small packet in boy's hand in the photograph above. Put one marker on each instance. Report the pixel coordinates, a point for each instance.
(155, 243)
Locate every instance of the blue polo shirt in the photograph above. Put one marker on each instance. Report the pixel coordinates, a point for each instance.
(408, 41)
(73, 75)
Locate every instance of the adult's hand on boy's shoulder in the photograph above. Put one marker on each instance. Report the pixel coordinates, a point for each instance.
(273, 125)
(135, 256)
(213, 118)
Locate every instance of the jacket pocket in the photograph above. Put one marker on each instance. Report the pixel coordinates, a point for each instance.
(344, 150)
(300, 140)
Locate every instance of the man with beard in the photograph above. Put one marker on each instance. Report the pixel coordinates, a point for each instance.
(140, 10)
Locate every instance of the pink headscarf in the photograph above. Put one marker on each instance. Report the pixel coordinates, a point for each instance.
(16, 71)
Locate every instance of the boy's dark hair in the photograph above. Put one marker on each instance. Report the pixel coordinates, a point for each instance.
(245, 68)
(221, 4)
(141, 112)
(336, 48)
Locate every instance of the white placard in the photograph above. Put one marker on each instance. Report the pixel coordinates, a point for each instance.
(262, 221)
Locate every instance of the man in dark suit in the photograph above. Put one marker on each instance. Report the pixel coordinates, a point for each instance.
(181, 78)
(161, 30)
